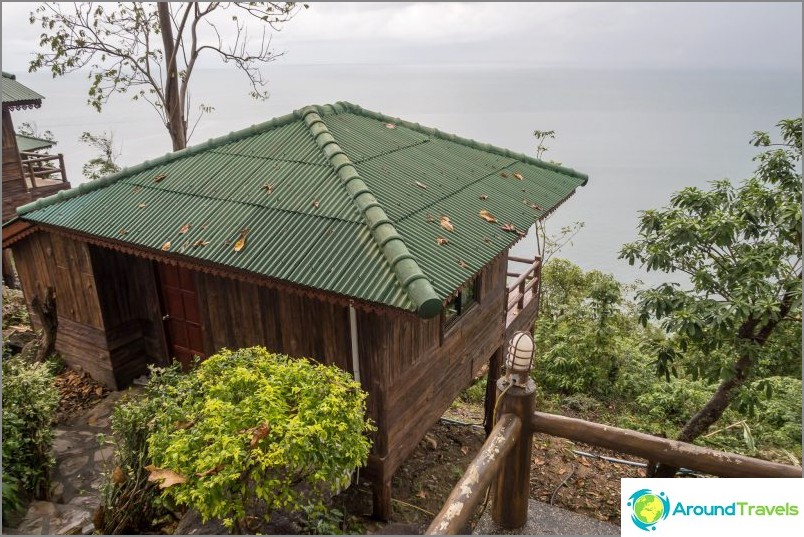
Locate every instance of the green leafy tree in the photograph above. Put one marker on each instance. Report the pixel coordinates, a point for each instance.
(153, 49)
(741, 248)
(32, 129)
(252, 431)
(541, 138)
(105, 163)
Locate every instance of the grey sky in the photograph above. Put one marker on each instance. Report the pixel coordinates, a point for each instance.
(606, 35)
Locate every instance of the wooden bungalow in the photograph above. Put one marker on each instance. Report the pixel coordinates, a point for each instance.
(28, 174)
(334, 232)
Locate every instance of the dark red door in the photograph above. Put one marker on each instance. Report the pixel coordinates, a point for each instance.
(180, 313)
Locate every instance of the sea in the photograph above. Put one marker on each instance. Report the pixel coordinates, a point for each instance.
(640, 135)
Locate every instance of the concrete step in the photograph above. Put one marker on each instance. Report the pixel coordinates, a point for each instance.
(546, 519)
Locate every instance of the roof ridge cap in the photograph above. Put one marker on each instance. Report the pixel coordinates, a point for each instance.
(410, 276)
(346, 106)
(212, 143)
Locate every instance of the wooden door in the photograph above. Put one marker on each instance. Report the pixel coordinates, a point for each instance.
(180, 313)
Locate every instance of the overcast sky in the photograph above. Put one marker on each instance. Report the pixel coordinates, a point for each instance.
(667, 35)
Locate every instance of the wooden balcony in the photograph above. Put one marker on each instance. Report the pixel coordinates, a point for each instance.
(43, 172)
(522, 295)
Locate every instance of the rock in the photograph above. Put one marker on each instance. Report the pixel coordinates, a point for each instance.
(57, 492)
(190, 524)
(104, 455)
(16, 337)
(73, 464)
(89, 529)
(70, 521)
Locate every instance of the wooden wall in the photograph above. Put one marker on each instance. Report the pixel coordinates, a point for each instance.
(46, 260)
(13, 183)
(127, 291)
(423, 374)
(238, 314)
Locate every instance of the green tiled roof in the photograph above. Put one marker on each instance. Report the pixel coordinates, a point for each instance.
(15, 93)
(335, 198)
(32, 143)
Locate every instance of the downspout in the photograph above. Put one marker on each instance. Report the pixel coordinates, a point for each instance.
(355, 354)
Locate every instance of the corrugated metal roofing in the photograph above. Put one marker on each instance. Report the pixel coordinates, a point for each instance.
(334, 198)
(31, 143)
(14, 92)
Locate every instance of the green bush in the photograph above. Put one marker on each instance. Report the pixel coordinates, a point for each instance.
(130, 504)
(29, 402)
(673, 402)
(251, 431)
(778, 419)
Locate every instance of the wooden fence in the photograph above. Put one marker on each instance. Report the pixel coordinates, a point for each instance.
(504, 460)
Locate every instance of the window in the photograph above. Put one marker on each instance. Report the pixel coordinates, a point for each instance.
(462, 302)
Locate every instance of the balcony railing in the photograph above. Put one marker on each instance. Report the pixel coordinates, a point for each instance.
(524, 289)
(41, 170)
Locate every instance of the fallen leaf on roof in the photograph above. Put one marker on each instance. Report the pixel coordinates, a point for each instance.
(166, 246)
(123, 231)
(462, 263)
(487, 240)
(441, 241)
(508, 227)
(487, 216)
(159, 177)
(316, 203)
(136, 188)
(164, 477)
(241, 242)
(203, 227)
(421, 185)
(503, 175)
(268, 188)
(483, 197)
(141, 206)
(518, 175)
(200, 242)
(521, 233)
(429, 217)
(185, 228)
(535, 207)
(446, 224)
(390, 126)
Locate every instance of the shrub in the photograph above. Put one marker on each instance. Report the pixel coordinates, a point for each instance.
(29, 402)
(130, 504)
(251, 430)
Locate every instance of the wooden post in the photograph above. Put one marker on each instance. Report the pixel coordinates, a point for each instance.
(495, 363)
(512, 488)
(381, 492)
(61, 166)
(8, 270)
(521, 302)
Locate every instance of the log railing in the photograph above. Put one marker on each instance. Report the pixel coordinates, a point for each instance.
(525, 287)
(509, 496)
(37, 166)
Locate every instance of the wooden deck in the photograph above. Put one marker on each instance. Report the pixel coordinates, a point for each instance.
(522, 296)
(41, 170)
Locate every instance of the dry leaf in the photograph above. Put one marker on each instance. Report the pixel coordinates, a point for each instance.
(441, 241)
(183, 424)
(241, 242)
(421, 185)
(535, 207)
(462, 263)
(446, 224)
(118, 476)
(200, 242)
(316, 204)
(518, 175)
(390, 126)
(123, 232)
(508, 227)
(159, 177)
(421, 494)
(430, 218)
(99, 391)
(211, 471)
(487, 216)
(503, 175)
(164, 477)
(538, 462)
(260, 433)
(430, 439)
(483, 197)
(166, 246)
(185, 228)
(268, 188)
(487, 240)
(141, 206)
(464, 449)
(136, 188)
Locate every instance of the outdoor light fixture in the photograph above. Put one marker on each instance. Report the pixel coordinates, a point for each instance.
(519, 358)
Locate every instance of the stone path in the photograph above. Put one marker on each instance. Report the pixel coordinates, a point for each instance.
(76, 478)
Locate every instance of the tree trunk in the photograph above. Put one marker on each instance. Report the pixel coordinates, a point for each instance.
(174, 114)
(46, 312)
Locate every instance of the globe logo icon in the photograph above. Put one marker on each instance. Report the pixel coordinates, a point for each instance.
(648, 508)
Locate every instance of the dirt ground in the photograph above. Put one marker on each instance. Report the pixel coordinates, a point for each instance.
(422, 484)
